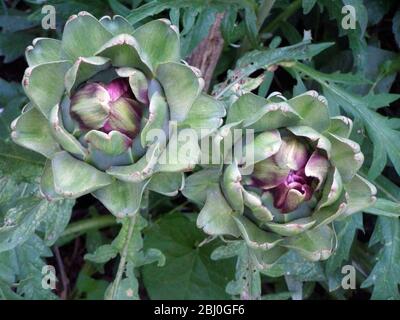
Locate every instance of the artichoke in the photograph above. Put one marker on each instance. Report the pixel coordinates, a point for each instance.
(97, 97)
(283, 189)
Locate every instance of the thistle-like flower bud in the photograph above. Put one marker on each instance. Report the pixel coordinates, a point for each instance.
(107, 108)
(94, 101)
(302, 176)
(284, 175)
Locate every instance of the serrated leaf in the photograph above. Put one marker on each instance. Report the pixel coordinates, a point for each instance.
(385, 139)
(129, 245)
(21, 164)
(257, 59)
(189, 273)
(385, 276)
(294, 265)
(356, 35)
(345, 231)
(28, 214)
(26, 262)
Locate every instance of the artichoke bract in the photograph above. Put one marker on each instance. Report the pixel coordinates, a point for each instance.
(303, 176)
(97, 95)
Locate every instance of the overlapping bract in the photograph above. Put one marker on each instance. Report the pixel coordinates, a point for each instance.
(303, 177)
(95, 96)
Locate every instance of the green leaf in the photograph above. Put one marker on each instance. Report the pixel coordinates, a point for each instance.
(256, 60)
(102, 254)
(83, 69)
(31, 130)
(116, 25)
(360, 194)
(118, 7)
(129, 245)
(377, 9)
(386, 140)
(206, 113)
(27, 261)
(345, 231)
(121, 198)
(9, 91)
(167, 183)
(76, 43)
(315, 244)
(67, 141)
(294, 265)
(43, 50)
(124, 51)
(383, 207)
(250, 20)
(216, 217)
(44, 84)
(27, 214)
(376, 101)
(255, 237)
(247, 283)
(180, 94)
(356, 35)
(313, 110)
(16, 20)
(13, 158)
(181, 154)
(386, 273)
(197, 184)
(146, 10)
(92, 289)
(189, 273)
(159, 43)
(74, 178)
(261, 115)
(158, 117)
(196, 30)
(140, 170)
(346, 156)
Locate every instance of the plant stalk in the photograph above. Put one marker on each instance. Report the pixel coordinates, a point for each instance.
(144, 208)
(122, 262)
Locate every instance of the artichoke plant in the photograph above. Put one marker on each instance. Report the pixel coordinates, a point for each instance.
(95, 98)
(302, 175)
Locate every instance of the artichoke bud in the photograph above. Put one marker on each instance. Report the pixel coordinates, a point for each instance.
(107, 108)
(125, 117)
(283, 175)
(292, 154)
(90, 106)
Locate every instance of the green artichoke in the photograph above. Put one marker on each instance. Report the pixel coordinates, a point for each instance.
(97, 96)
(300, 178)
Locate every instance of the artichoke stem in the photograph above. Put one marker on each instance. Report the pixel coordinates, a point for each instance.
(122, 262)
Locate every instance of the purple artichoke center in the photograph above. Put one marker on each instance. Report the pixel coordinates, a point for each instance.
(295, 189)
(107, 107)
(284, 176)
